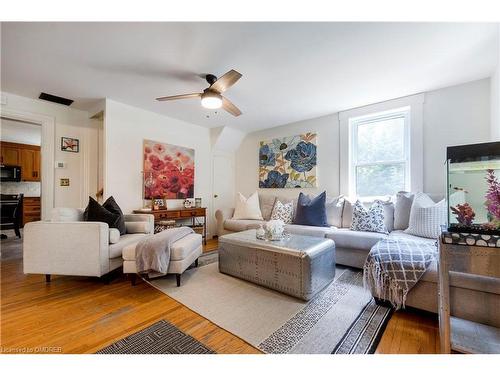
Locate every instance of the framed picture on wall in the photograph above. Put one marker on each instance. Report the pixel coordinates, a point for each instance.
(70, 144)
(171, 170)
(288, 162)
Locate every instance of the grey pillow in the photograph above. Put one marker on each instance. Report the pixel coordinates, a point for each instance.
(334, 207)
(402, 209)
(347, 214)
(388, 215)
(266, 205)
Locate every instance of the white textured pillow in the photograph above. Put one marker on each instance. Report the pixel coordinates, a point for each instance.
(247, 208)
(137, 227)
(371, 220)
(114, 235)
(426, 217)
(283, 211)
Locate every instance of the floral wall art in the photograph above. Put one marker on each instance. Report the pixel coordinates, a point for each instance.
(168, 171)
(288, 162)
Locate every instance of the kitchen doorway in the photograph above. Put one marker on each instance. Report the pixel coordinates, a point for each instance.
(20, 166)
(46, 172)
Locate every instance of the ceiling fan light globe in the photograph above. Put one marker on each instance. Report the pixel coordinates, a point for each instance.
(211, 100)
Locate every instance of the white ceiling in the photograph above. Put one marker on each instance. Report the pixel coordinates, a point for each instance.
(291, 71)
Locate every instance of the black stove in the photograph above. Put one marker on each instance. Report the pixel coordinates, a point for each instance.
(11, 211)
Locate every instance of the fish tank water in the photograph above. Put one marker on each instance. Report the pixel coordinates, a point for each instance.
(473, 194)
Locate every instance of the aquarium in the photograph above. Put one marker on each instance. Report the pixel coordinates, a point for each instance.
(473, 180)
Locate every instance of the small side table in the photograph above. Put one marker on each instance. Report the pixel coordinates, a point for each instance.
(457, 334)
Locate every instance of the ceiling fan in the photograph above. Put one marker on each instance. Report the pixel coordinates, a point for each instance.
(212, 97)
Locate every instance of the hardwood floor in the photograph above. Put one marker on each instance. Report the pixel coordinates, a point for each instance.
(410, 332)
(82, 315)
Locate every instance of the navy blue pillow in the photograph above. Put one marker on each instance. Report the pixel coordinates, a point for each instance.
(311, 211)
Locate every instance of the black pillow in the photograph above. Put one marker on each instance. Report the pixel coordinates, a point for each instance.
(95, 212)
(113, 207)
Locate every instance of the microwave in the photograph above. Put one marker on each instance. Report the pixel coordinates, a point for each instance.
(10, 173)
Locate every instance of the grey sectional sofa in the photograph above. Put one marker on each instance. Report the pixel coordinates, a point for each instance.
(473, 298)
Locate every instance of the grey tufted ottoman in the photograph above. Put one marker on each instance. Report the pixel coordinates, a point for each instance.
(299, 265)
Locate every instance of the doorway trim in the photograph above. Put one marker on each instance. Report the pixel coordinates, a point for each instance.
(213, 203)
(47, 150)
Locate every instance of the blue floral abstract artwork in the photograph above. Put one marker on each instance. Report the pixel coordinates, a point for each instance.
(288, 162)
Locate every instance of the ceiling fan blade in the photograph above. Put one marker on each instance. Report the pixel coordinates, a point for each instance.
(175, 97)
(226, 81)
(230, 107)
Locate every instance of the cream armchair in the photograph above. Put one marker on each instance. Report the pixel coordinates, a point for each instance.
(67, 245)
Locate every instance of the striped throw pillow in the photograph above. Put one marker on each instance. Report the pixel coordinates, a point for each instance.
(426, 217)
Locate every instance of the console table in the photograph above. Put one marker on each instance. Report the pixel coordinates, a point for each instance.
(180, 214)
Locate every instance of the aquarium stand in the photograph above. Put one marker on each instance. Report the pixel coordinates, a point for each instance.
(457, 334)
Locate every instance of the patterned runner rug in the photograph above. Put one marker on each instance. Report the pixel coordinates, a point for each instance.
(342, 319)
(159, 338)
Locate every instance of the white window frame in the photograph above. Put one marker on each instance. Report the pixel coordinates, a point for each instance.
(354, 123)
(416, 104)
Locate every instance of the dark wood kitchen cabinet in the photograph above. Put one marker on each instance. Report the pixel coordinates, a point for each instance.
(25, 156)
(30, 164)
(11, 154)
(31, 209)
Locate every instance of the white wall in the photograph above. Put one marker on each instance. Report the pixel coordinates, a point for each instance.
(69, 122)
(451, 116)
(495, 105)
(125, 129)
(20, 132)
(495, 96)
(327, 129)
(227, 139)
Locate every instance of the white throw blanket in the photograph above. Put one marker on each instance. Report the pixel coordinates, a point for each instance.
(152, 254)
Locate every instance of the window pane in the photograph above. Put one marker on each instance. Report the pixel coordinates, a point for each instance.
(381, 141)
(380, 179)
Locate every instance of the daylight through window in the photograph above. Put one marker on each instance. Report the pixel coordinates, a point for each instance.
(379, 154)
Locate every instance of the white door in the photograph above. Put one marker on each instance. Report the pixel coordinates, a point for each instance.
(223, 183)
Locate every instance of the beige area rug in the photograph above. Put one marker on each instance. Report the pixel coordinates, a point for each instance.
(342, 318)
